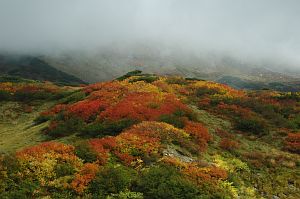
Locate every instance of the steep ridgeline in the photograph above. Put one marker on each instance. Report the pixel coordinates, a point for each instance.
(148, 136)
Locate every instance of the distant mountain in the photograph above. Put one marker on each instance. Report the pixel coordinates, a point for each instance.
(239, 83)
(31, 67)
(107, 64)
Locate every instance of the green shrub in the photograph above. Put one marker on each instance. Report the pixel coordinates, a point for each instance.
(191, 115)
(24, 96)
(294, 123)
(61, 95)
(73, 97)
(253, 126)
(165, 182)
(173, 120)
(146, 78)
(112, 180)
(205, 91)
(129, 74)
(23, 190)
(62, 194)
(176, 80)
(5, 96)
(65, 169)
(126, 195)
(84, 152)
(194, 79)
(106, 128)
(178, 118)
(65, 128)
(41, 119)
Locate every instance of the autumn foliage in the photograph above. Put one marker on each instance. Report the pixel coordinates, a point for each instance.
(87, 108)
(200, 175)
(143, 106)
(84, 177)
(144, 139)
(128, 132)
(200, 132)
(228, 144)
(292, 142)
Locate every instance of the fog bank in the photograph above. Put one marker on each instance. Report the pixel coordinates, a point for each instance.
(254, 31)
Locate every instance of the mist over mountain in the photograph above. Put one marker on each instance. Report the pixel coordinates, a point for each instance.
(100, 40)
(108, 63)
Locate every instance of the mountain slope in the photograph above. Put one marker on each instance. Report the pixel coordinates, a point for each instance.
(149, 137)
(31, 67)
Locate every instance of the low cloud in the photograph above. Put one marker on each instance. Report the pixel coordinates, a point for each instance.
(256, 30)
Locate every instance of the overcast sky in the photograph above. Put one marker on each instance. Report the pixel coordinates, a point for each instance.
(261, 29)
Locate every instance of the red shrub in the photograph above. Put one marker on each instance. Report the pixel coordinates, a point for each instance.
(228, 144)
(224, 134)
(85, 175)
(236, 110)
(255, 158)
(103, 146)
(204, 102)
(200, 132)
(27, 109)
(143, 106)
(125, 158)
(56, 109)
(87, 108)
(292, 142)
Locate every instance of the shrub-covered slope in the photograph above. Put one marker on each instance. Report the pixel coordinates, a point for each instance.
(145, 136)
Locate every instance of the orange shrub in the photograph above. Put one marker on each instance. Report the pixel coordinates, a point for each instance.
(63, 150)
(137, 144)
(83, 177)
(163, 131)
(199, 175)
(29, 87)
(205, 175)
(39, 163)
(106, 87)
(222, 90)
(141, 140)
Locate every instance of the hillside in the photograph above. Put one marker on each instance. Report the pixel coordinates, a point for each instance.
(148, 136)
(32, 67)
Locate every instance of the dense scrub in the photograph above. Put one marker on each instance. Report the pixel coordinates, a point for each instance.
(143, 136)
